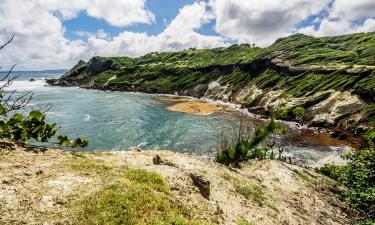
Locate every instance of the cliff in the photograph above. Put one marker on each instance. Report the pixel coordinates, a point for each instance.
(327, 81)
(48, 186)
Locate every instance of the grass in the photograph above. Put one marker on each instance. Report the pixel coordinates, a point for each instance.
(243, 221)
(127, 196)
(303, 175)
(249, 191)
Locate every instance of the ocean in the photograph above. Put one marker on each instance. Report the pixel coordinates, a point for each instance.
(122, 121)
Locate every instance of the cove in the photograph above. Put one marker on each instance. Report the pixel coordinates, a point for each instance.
(121, 121)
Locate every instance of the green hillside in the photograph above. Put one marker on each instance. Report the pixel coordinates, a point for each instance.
(300, 66)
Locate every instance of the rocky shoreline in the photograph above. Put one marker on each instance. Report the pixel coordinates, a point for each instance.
(350, 137)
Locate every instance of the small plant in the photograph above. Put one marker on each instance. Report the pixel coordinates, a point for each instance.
(248, 148)
(298, 112)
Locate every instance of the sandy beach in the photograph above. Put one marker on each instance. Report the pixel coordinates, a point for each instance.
(191, 106)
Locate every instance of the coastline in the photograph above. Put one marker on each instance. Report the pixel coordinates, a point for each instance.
(348, 137)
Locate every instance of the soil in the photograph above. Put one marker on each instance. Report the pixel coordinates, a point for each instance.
(36, 186)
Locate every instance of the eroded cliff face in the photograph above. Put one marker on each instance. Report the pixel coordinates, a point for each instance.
(340, 108)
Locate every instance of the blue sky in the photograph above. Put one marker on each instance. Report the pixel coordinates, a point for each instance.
(165, 11)
(57, 33)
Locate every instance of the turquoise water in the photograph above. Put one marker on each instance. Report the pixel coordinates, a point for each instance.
(120, 121)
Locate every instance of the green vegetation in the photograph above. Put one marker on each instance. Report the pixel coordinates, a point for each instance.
(243, 221)
(308, 66)
(249, 191)
(167, 72)
(20, 128)
(358, 176)
(248, 148)
(127, 196)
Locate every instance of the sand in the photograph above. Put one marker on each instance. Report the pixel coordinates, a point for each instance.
(191, 106)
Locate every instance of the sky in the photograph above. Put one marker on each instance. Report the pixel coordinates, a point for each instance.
(56, 34)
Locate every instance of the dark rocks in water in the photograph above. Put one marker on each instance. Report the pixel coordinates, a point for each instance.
(32, 80)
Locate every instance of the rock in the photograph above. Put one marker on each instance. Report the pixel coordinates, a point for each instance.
(202, 183)
(32, 80)
(157, 160)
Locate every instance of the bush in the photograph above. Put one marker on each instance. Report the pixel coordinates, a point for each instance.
(247, 148)
(358, 176)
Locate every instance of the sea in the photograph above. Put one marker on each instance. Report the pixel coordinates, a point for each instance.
(113, 121)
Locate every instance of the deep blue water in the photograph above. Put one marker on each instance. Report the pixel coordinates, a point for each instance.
(119, 121)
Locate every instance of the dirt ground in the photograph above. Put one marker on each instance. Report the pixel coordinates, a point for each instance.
(37, 186)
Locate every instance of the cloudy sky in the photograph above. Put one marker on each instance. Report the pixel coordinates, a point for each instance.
(51, 34)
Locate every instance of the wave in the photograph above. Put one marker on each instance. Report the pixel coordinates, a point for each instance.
(25, 85)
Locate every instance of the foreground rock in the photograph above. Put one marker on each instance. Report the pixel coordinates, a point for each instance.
(46, 187)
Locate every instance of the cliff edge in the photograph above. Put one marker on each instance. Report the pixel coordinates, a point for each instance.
(48, 186)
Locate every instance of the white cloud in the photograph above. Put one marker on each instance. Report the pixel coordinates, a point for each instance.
(352, 10)
(37, 24)
(121, 13)
(40, 41)
(263, 21)
(343, 18)
(101, 34)
(180, 34)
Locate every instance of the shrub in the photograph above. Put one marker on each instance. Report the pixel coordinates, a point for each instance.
(247, 148)
(358, 176)
(298, 111)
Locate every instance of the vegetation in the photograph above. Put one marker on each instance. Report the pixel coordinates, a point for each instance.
(344, 63)
(249, 191)
(127, 196)
(248, 148)
(20, 128)
(358, 176)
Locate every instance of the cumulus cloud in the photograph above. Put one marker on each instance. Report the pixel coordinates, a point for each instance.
(262, 21)
(39, 34)
(40, 41)
(345, 17)
(180, 34)
(121, 13)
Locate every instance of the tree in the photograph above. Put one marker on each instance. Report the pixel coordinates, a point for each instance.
(20, 128)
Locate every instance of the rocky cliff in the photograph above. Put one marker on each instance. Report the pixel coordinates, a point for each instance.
(327, 82)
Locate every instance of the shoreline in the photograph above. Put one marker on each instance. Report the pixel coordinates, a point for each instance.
(351, 139)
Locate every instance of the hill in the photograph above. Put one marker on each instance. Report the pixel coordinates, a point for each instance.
(327, 81)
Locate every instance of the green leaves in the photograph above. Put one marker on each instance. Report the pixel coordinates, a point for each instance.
(21, 128)
(358, 175)
(78, 142)
(37, 115)
(245, 149)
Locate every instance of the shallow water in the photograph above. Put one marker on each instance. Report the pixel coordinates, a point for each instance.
(120, 121)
